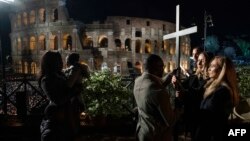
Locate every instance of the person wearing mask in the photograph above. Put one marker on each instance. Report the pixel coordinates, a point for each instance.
(155, 114)
(220, 96)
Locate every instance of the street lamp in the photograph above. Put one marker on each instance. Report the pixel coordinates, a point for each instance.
(207, 22)
(3, 63)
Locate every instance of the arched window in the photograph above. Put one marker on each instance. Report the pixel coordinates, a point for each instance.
(172, 48)
(19, 20)
(87, 41)
(32, 43)
(166, 46)
(42, 15)
(19, 44)
(25, 43)
(53, 42)
(90, 42)
(128, 44)
(118, 43)
(103, 42)
(26, 68)
(55, 15)
(33, 68)
(19, 68)
(156, 46)
(67, 42)
(148, 46)
(137, 46)
(42, 42)
(32, 17)
(25, 18)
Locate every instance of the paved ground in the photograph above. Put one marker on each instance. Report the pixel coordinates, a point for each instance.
(14, 129)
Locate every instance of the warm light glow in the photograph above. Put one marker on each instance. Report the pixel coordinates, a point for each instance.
(7, 1)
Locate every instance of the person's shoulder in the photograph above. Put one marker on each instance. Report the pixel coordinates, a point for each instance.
(223, 91)
(223, 87)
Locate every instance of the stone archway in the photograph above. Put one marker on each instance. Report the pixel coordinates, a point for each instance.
(148, 46)
(137, 46)
(103, 42)
(128, 44)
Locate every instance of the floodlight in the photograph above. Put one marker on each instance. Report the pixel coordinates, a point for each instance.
(7, 1)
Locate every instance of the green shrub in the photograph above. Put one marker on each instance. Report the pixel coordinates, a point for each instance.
(244, 80)
(105, 94)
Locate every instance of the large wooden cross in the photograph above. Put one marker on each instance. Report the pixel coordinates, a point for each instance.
(179, 33)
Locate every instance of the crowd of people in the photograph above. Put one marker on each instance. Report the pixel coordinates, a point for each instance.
(204, 99)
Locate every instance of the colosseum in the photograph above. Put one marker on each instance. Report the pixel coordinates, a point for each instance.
(42, 25)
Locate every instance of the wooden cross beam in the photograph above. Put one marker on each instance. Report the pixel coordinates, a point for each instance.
(179, 33)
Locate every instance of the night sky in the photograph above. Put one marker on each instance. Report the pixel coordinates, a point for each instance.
(229, 17)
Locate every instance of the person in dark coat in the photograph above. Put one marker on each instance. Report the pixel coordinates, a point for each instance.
(155, 114)
(75, 73)
(194, 59)
(191, 90)
(194, 92)
(55, 125)
(221, 95)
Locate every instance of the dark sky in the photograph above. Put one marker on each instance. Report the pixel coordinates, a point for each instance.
(229, 17)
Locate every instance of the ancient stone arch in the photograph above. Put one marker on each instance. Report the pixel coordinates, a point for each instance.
(42, 15)
(103, 41)
(26, 67)
(118, 43)
(138, 46)
(53, 42)
(42, 42)
(148, 46)
(87, 41)
(19, 20)
(32, 43)
(172, 47)
(32, 17)
(25, 43)
(156, 47)
(19, 67)
(19, 45)
(54, 16)
(25, 18)
(67, 42)
(33, 68)
(128, 44)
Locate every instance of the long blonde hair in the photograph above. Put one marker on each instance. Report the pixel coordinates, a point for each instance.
(227, 77)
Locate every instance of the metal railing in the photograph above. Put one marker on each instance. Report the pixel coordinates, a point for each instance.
(21, 94)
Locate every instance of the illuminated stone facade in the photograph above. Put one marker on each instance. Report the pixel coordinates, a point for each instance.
(41, 25)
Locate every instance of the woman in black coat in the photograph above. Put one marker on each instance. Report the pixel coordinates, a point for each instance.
(56, 123)
(221, 94)
(191, 91)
